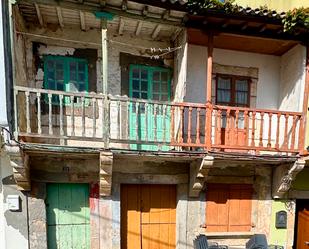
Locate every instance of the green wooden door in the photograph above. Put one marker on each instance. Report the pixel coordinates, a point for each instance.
(68, 223)
(149, 122)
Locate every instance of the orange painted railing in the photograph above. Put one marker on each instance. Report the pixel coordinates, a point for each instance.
(235, 128)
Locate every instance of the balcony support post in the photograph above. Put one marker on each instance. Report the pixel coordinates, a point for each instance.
(208, 90)
(209, 66)
(303, 125)
(105, 83)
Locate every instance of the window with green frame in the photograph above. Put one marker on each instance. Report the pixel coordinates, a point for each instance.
(64, 73)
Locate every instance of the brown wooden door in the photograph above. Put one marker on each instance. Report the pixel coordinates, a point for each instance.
(303, 230)
(148, 216)
(228, 207)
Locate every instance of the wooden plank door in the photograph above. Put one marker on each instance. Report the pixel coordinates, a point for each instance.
(68, 224)
(148, 217)
(228, 207)
(303, 230)
(149, 122)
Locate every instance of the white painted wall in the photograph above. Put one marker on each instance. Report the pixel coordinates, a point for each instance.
(12, 224)
(268, 65)
(292, 75)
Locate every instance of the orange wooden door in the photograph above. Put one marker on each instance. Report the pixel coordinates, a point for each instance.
(303, 230)
(148, 216)
(228, 207)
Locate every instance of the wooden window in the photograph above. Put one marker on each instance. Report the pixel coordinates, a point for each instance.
(152, 83)
(232, 90)
(228, 207)
(67, 74)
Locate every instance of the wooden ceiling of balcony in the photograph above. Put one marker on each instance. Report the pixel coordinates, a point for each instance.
(155, 23)
(243, 43)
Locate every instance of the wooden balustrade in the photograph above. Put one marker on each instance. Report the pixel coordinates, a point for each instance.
(152, 125)
(49, 114)
(237, 129)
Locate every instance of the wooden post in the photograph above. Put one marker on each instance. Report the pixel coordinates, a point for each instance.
(208, 90)
(209, 67)
(105, 84)
(303, 124)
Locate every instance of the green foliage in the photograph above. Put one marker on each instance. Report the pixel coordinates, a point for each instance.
(201, 6)
(296, 18)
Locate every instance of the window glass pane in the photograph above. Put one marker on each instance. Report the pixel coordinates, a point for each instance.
(135, 94)
(164, 88)
(60, 86)
(144, 74)
(51, 75)
(135, 73)
(81, 77)
(156, 87)
(59, 75)
(241, 97)
(81, 66)
(144, 95)
(224, 83)
(135, 84)
(164, 97)
(50, 64)
(223, 96)
(156, 76)
(144, 86)
(59, 65)
(241, 85)
(156, 96)
(81, 87)
(51, 84)
(164, 76)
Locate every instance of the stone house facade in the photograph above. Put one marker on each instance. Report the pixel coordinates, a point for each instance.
(142, 125)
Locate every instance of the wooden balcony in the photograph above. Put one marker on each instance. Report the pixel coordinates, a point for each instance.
(91, 119)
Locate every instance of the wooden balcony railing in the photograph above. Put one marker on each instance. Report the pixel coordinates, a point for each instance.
(48, 116)
(235, 128)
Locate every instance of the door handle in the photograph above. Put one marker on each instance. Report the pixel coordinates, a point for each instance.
(307, 243)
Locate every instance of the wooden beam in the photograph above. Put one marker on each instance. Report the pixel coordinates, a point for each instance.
(225, 23)
(156, 31)
(244, 26)
(104, 56)
(121, 26)
(39, 15)
(103, 3)
(145, 11)
(166, 14)
(263, 28)
(138, 28)
(60, 18)
(82, 21)
(124, 5)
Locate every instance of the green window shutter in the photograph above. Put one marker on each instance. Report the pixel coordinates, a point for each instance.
(67, 74)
